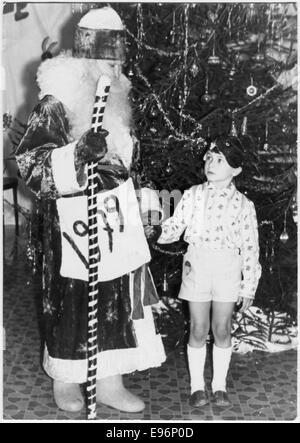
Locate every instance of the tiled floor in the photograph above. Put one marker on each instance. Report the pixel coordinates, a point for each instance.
(262, 386)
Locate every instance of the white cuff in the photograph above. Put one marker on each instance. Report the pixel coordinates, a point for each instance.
(63, 169)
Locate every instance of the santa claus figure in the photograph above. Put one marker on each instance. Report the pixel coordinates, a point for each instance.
(52, 158)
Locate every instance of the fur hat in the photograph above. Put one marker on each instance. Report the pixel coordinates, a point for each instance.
(100, 35)
(231, 148)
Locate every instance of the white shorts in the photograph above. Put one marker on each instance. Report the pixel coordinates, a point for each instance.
(211, 275)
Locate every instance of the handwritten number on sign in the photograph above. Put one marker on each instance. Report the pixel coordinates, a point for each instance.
(115, 208)
(81, 229)
(107, 228)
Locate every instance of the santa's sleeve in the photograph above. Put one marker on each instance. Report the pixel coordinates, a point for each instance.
(44, 156)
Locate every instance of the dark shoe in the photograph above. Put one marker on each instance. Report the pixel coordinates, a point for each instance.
(220, 398)
(198, 399)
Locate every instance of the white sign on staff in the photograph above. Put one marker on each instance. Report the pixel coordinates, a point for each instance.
(121, 239)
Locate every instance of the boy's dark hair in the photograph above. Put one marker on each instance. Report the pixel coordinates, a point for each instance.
(231, 148)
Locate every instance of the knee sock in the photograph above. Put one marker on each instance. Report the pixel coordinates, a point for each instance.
(196, 359)
(221, 361)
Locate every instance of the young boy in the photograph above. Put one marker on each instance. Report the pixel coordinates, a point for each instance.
(221, 267)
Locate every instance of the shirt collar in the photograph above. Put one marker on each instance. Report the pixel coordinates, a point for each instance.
(225, 192)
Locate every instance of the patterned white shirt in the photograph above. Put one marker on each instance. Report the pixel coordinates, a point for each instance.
(218, 219)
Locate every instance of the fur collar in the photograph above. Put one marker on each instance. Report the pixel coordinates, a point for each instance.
(73, 82)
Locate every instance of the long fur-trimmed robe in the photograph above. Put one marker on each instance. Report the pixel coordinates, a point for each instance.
(127, 340)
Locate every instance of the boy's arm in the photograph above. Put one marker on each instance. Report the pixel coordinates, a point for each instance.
(251, 267)
(173, 227)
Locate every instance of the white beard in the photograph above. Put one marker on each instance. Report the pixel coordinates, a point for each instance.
(73, 81)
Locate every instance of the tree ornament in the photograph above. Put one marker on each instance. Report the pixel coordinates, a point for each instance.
(168, 169)
(206, 98)
(130, 72)
(266, 144)
(223, 65)
(212, 16)
(284, 235)
(241, 57)
(194, 69)
(233, 131)
(259, 57)
(294, 209)
(232, 73)
(173, 30)
(252, 10)
(165, 281)
(244, 126)
(214, 59)
(251, 90)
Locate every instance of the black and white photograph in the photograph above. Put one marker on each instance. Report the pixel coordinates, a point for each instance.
(150, 214)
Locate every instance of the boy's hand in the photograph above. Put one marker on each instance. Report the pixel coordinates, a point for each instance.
(245, 302)
(149, 231)
(150, 220)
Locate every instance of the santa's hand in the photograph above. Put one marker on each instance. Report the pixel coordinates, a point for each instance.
(91, 147)
(245, 303)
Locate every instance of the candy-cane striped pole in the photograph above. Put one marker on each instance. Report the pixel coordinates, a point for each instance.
(103, 87)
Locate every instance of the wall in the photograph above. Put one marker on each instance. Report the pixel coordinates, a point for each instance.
(25, 26)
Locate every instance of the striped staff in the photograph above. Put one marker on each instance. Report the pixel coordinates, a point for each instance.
(103, 87)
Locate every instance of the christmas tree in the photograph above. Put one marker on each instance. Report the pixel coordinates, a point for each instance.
(199, 70)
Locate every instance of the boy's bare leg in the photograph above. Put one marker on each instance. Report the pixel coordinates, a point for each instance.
(68, 396)
(196, 351)
(222, 350)
(112, 392)
(221, 323)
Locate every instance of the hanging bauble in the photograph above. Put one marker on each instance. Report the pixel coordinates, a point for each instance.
(232, 73)
(194, 69)
(224, 65)
(231, 46)
(206, 98)
(266, 146)
(244, 126)
(233, 131)
(294, 209)
(241, 57)
(153, 112)
(252, 9)
(130, 73)
(168, 168)
(212, 16)
(259, 57)
(284, 236)
(214, 60)
(165, 282)
(251, 90)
